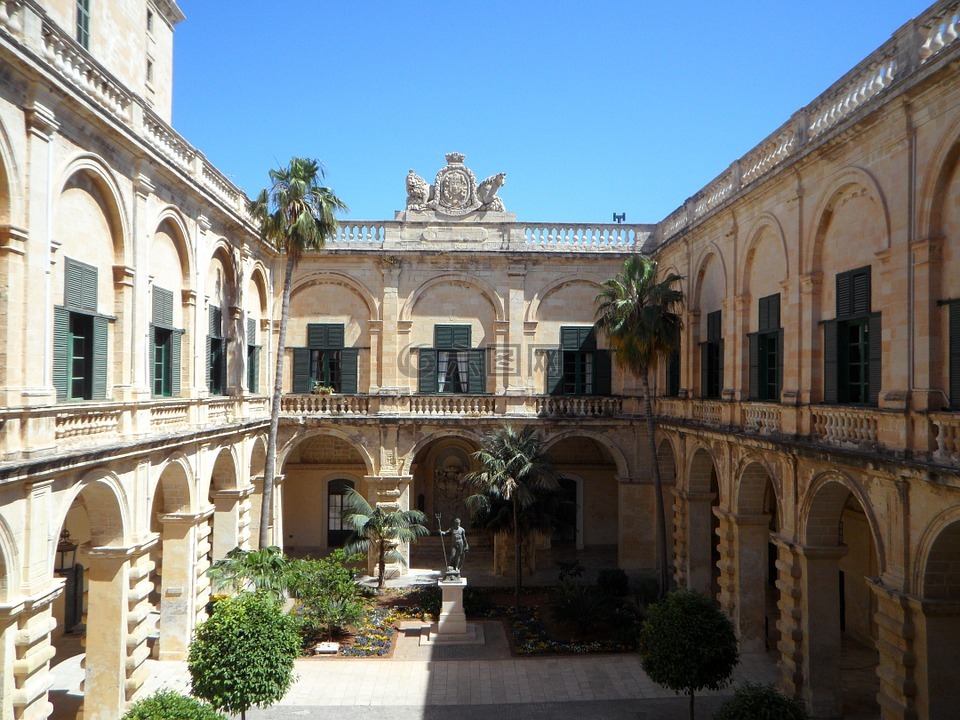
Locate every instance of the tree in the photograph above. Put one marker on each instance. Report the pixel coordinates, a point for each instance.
(375, 527)
(688, 644)
(243, 655)
(329, 598)
(513, 467)
(761, 702)
(265, 569)
(171, 705)
(641, 318)
(296, 215)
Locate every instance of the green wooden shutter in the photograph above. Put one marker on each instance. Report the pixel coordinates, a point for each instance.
(769, 313)
(427, 371)
(844, 294)
(720, 368)
(162, 307)
(704, 368)
(301, 370)
(335, 335)
(861, 291)
(152, 364)
(223, 367)
(578, 339)
(461, 337)
(61, 351)
(316, 335)
(175, 362)
(254, 371)
(349, 370)
(955, 354)
(779, 387)
(830, 394)
(209, 363)
(477, 371)
(215, 317)
(99, 390)
(603, 373)
(753, 342)
(443, 337)
(555, 372)
(875, 359)
(80, 285)
(251, 331)
(325, 336)
(673, 373)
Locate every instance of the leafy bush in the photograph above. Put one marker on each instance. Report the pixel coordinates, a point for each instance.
(476, 602)
(613, 582)
(688, 644)
(580, 607)
(243, 655)
(329, 599)
(430, 601)
(569, 569)
(761, 702)
(170, 705)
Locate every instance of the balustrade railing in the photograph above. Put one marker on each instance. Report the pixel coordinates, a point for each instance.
(672, 407)
(759, 418)
(844, 425)
(939, 32)
(707, 411)
(85, 423)
(583, 235)
(325, 404)
(579, 407)
(947, 428)
(468, 405)
(169, 416)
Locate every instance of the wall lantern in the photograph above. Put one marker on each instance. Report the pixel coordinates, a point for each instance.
(66, 553)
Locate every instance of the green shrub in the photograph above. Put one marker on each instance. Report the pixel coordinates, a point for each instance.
(761, 702)
(476, 602)
(170, 705)
(430, 601)
(613, 582)
(329, 599)
(580, 607)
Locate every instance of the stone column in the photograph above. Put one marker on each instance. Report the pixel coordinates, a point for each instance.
(391, 345)
(751, 534)
(390, 492)
(791, 614)
(799, 347)
(106, 639)
(899, 669)
(376, 360)
(820, 622)
(926, 262)
(138, 620)
(177, 582)
(699, 543)
(31, 622)
(226, 519)
(514, 350)
(637, 525)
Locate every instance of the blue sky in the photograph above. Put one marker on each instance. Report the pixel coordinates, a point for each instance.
(590, 108)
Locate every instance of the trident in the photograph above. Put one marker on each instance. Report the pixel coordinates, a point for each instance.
(443, 546)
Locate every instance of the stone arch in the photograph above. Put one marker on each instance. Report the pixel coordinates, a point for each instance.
(258, 277)
(174, 219)
(337, 278)
(710, 254)
(619, 459)
(667, 455)
(106, 505)
(824, 504)
(470, 436)
(226, 470)
(357, 443)
(223, 252)
(938, 553)
(702, 463)
(174, 478)
(533, 308)
(9, 563)
(258, 456)
(487, 291)
(752, 475)
(766, 221)
(941, 167)
(11, 210)
(103, 179)
(834, 192)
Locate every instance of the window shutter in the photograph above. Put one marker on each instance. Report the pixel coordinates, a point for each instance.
(844, 294)
(955, 354)
(704, 368)
(61, 350)
(162, 307)
(477, 371)
(152, 363)
(769, 313)
(253, 372)
(753, 342)
(251, 331)
(223, 368)
(779, 387)
(830, 395)
(335, 335)
(720, 368)
(764, 319)
(603, 375)
(80, 285)
(555, 372)
(301, 370)
(713, 326)
(443, 337)
(861, 291)
(316, 335)
(427, 371)
(215, 317)
(349, 370)
(588, 339)
(99, 390)
(673, 372)
(461, 337)
(875, 359)
(175, 363)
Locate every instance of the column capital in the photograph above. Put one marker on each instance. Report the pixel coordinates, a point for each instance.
(124, 552)
(187, 518)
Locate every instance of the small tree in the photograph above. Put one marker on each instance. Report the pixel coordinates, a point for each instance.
(688, 644)
(325, 589)
(263, 570)
(761, 702)
(171, 705)
(374, 527)
(243, 655)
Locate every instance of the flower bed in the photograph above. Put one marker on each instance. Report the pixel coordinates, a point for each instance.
(530, 637)
(374, 635)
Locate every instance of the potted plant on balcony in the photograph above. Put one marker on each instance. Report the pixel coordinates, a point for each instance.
(320, 389)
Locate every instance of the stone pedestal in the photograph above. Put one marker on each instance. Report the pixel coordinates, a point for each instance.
(452, 619)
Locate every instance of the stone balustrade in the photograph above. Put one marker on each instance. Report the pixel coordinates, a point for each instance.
(325, 404)
(940, 31)
(99, 424)
(461, 405)
(170, 416)
(760, 418)
(947, 429)
(844, 425)
(579, 235)
(709, 412)
(579, 407)
(169, 143)
(11, 17)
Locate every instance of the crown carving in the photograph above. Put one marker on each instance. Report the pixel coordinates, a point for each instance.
(455, 157)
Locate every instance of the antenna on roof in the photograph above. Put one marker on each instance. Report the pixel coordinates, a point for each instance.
(619, 217)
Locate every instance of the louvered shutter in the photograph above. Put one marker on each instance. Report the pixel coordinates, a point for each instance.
(61, 351)
(704, 368)
(349, 370)
(673, 373)
(316, 335)
(875, 356)
(80, 286)
(555, 372)
(209, 361)
(844, 294)
(830, 395)
(215, 318)
(769, 313)
(301, 370)
(443, 337)
(714, 326)
(720, 369)
(251, 331)
(603, 377)
(461, 337)
(753, 346)
(175, 362)
(223, 367)
(254, 371)
(477, 371)
(861, 291)
(99, 389)
(335, 335)
(574, 339)
(427, 372)
(162, 307)
(955, 354)
(764, 314)
(152, 363)
(779, 366)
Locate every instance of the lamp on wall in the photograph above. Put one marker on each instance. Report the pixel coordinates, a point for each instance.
(66, 553)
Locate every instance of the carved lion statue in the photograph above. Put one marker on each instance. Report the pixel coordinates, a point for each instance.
(419, 192)
(487, 192)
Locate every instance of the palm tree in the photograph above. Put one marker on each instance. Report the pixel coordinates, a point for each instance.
(264, 570)
(641, 318)
(384, 531)
(296, 215)
(513, 467)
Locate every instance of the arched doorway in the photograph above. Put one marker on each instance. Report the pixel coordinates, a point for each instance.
(703, 545)
(939, 694)
(225, 498)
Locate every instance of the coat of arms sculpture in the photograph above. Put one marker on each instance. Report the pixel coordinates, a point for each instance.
(455, 191)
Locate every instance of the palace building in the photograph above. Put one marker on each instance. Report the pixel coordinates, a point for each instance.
(807, 428)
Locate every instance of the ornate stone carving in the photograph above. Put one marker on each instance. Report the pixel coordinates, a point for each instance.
(455, 191)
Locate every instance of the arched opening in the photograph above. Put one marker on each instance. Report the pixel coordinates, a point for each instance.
(939, 692)
(258, 463)
(310, 468)
(841, 656)
(223, 495)
(703, 542)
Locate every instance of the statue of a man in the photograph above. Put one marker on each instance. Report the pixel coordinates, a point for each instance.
(460, 546)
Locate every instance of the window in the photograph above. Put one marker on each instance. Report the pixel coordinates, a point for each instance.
(577, 367)
(216, 353)
(149, 21)
(711, 358)
(166, 341)
(325, 361)
(337, 531)
(149, 71)
(954, 357)
(852, 344)
(83, 23)
(79, 337)
(766, 352)
(253, 357)
(451, 366)
(673, 369)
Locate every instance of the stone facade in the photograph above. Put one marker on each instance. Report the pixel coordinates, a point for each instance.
(806, 428)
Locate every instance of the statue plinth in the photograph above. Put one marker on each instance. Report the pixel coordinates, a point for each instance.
(453, 621)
